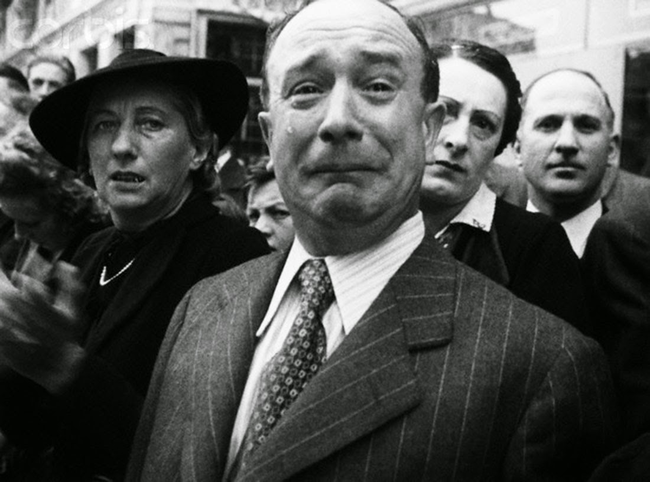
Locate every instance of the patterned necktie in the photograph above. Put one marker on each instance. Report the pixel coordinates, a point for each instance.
(299, 359)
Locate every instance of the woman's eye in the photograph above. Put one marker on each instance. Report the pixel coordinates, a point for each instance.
(104, 125)
(484, 125)
(151, 124)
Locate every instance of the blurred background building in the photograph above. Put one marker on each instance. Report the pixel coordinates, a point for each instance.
(610, 38)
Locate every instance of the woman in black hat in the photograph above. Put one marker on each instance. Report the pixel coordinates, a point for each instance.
(146, 130)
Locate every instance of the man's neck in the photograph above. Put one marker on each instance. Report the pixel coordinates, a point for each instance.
(323, 241)
(562, 211)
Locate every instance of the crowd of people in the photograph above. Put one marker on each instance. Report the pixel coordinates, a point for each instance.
(377, 302)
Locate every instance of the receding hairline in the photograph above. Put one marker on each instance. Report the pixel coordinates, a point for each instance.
(581, 73)
(430, 74)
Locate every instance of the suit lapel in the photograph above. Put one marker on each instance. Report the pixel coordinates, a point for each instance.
(237, 314)
(370, 379)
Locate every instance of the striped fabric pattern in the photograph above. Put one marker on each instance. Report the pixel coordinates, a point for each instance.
(446, 377)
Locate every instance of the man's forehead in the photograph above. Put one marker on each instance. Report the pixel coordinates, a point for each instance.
(567, 94)
(338, 19)
(559, 87)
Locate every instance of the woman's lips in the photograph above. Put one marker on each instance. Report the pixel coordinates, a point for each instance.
(127, 177)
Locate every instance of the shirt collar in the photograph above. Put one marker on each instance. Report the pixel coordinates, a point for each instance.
(479, 211)
(579, 226)
(377, 263)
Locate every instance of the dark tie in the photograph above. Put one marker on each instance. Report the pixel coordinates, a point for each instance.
(449, 236)
(304, 350)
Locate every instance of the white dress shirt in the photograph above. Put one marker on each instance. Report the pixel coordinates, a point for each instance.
(579, 226)
(357, 280)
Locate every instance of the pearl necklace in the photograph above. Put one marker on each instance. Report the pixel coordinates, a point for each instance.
(102, 279)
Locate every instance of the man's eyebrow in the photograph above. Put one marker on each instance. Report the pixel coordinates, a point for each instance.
(589, 117)
(306, 64)
(384, 57)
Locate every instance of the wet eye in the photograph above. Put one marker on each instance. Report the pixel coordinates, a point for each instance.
(379, 89)
(304, 95)
(306, 89)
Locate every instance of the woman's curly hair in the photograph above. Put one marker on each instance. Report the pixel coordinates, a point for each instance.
(26, 169)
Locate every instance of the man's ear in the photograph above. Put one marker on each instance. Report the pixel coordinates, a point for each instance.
(264, 119)
(434, 117)
(614, 150)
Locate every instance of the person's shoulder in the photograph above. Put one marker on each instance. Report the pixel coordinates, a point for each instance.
(633, 222)
(524, 326)
(250, 275)
(629, 192)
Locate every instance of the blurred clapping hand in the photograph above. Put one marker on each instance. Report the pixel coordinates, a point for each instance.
(40, 324)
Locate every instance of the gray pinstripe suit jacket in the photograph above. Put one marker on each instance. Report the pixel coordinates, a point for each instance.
(446, 377)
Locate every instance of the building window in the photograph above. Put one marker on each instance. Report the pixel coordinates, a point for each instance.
(126, 39)
(243, 45)
(635, 148)
(90, 60)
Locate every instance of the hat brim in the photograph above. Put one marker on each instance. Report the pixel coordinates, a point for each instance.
(58, 120)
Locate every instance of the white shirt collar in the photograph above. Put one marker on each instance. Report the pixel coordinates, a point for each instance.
(478, 212)
(357, 278)
(579, 226)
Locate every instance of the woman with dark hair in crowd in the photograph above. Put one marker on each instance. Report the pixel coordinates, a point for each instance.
(528, 253)
(149, 127)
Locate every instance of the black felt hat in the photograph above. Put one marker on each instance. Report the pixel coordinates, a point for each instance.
(221, 87)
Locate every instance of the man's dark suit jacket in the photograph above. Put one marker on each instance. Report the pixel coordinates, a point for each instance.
(530, 254)
(617, 271)
(447, 376)
(628, 192)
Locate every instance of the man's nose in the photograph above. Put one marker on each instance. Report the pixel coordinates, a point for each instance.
(566, 142)
(340, 122)
(263, 224)
(48, 88)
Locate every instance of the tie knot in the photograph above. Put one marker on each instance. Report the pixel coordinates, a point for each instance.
(449, 236)
(316, 285)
